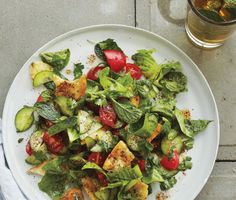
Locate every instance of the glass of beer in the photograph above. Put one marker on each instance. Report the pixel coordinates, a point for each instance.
(210, 22)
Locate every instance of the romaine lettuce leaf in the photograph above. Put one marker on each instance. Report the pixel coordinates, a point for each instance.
(124, 174)
(115, 88)
(143, 58)
(145, 126)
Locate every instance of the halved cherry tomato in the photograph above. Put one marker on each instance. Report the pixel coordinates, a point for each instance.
(54, 143)
(93, 73)
(141, 164)
(28, 149)
(115, 59)
(107, 115)
(102, 179)
(170, 163)
(40, 99)
(134, 70)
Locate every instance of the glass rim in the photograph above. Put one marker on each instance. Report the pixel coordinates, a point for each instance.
(225, 23)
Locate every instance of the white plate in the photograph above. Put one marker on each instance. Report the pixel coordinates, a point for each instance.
(199, 99)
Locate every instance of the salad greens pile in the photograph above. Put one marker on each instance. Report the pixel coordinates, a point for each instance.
(113, 132)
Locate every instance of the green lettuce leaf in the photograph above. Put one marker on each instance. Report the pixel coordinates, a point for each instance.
(62, 125)
(47, 111)
(124, 174)
(108, 44)
(91, 165)
(153, 176)
(145, 126)
(115, 88)
(95, 94)
(127, 112)
(53, 185)
(174, 82)
(198, 125)
(143, 58)
(167, 68)
(190, 127)
(78, 70)
(57, 59)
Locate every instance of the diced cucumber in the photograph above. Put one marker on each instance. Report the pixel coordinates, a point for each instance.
(39, 66)
(137, 171)
(64, 104)
(85, 121)
(42, 77)
(32, 160)
(96, 148)
(132, 142)
(72, 134)
(94, 127)
(36, 140)
(24, 119)
(90, 142)
(168, 145)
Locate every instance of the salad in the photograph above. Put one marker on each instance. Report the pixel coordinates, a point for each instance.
(111, 132)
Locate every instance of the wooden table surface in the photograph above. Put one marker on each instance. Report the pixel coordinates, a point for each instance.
(26, 25)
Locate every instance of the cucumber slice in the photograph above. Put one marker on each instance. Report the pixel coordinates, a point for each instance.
(175, 144)
(96, 148)
(24, 119)
(36, 141)
(64, 104)
(37, 67)
(42, 77)
(85, 121)
(32, 160)
(132, 142)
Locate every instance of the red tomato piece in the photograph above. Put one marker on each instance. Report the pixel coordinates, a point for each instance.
(40, 99)
(134, 70)
(94, 157)
(141, 164)
(102, 179)
(93, 73)
(28, 149)
(54, 143)
(115, 59)
(107, 115)
(170, 163)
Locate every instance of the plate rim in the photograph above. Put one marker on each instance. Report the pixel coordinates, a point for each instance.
(86, 28)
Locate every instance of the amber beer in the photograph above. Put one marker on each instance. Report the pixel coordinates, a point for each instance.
(210, 22)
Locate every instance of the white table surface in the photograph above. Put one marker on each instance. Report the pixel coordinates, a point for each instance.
(26, 25)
